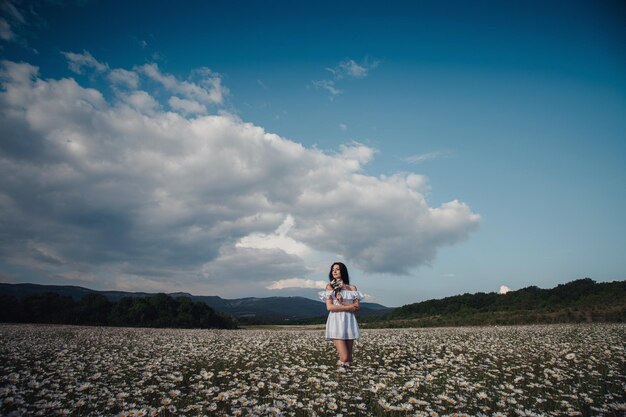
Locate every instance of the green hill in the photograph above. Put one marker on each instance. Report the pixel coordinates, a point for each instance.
(249, 310)
(583, 300)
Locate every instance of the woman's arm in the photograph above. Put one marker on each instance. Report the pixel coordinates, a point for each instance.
(356, 300)
(348, 307)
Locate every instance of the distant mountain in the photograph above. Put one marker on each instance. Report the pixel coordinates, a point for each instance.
(247, 310)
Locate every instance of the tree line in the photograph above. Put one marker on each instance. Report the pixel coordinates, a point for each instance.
(159, 310)
(581, 300)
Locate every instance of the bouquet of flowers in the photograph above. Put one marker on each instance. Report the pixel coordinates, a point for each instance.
(337, 283)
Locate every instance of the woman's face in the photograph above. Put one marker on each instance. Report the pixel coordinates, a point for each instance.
(336, 272)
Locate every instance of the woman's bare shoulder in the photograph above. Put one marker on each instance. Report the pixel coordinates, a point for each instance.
(352, 287)
(329, 287)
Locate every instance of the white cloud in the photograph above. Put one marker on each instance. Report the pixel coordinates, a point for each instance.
(17, 74)
(256, 266)
(504, 289)
(187, 106)
(343, 126)
(76, 62)
(207, 90)
(276, 240)
(348, 68)
(419, 158)
(327, 85)
(6, 33)
(356, 152)
(140, 101)
(12, 11)
(12, 20)
(191, 97)
(124, 77)
(45, 253)
(351, 69)
(296, 283)
(127, 190)
(418, 183)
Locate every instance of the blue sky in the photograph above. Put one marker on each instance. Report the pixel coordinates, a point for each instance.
(238, 148)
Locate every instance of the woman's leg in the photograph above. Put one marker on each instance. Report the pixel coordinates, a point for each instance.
(342, 349)
(350, 346)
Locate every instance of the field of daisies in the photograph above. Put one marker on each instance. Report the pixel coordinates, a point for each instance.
(480, 371)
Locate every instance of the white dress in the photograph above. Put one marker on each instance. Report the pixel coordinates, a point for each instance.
(342, 324)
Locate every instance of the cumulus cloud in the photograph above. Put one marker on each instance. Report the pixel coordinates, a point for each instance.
(140, 101)
(417, 182)
(77, 62)
(188, 97)
(186, 106)
(276, 240)
(356, 152)
(208, 89)
(504, 289)
(120, 76)
(17, 74)
(124, 189)
(252, 265)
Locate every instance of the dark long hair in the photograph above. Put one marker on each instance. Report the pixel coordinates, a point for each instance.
(345, 277)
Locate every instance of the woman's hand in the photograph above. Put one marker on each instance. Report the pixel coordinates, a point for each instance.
(353, 307)
(341, 307)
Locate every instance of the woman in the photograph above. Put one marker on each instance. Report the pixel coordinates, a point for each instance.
(342, 300)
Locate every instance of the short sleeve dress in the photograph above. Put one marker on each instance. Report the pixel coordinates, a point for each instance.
(342, 324)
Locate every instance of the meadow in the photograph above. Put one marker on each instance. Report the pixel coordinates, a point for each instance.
(551, 370)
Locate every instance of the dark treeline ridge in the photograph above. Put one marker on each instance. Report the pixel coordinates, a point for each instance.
(159, 310)
(581, 300)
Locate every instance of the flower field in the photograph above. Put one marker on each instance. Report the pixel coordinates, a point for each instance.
(493, 371)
